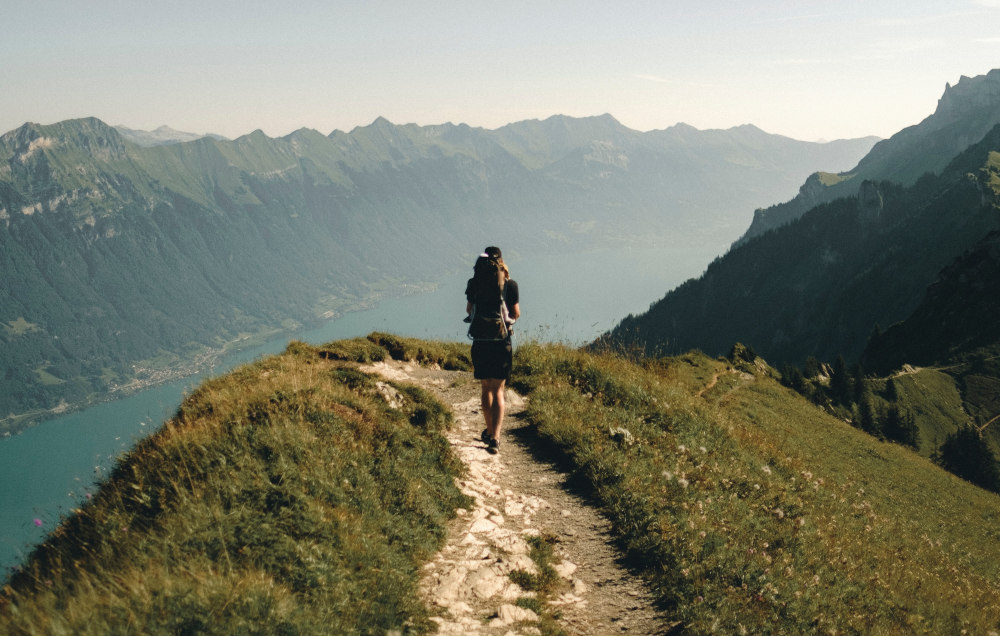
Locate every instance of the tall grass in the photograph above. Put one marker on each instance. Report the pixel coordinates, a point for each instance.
(284, 497)
(752, 511)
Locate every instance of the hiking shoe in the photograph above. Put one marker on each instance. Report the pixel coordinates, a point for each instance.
(485, 436)
(493, 447)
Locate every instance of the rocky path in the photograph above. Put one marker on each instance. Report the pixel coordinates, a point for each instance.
(517, 495)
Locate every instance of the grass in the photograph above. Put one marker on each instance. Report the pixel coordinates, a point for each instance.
(936, 404)
(752, 511)
(284, 497)
(378, 346)
(545, 584)
(289, 497)
(45, 378)
(19, 327)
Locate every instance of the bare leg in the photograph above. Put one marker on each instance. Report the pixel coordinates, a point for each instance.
(492, 400)
(486, 402)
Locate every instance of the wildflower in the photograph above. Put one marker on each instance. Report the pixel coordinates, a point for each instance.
(682, 448)
(683, 483)
(779, 513)
(703, 449)
(38, 522)
(767, 469)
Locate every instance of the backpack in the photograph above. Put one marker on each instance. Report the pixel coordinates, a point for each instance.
(484, 328)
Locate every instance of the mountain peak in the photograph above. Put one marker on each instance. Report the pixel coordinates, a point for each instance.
(88, 134)
(969, 95)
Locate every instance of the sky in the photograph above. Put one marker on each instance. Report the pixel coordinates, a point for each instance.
(808, 70)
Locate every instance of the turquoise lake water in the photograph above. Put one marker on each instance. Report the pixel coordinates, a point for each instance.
(49, 468)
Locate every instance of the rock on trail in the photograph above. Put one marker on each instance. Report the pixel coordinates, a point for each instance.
(517, 495)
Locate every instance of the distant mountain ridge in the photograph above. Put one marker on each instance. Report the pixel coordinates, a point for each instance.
(965, 114)
(160, 136)
(122, 260)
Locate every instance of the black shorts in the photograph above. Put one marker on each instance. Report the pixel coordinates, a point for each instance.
(492, 359)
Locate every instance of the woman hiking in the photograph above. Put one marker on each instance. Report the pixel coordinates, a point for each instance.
(492, 307)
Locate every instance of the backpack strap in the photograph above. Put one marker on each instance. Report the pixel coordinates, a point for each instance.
(504, 327)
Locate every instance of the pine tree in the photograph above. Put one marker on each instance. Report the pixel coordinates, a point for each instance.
(812, 368)
(868, 415)
(901, 427)
(966, 454)
(840, 382)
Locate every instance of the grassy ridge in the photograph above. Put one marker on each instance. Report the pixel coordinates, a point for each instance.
(289, 497)
(753, 511)
(284, 497)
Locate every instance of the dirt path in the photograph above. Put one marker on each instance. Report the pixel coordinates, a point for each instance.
(518, 494)
(708, 387)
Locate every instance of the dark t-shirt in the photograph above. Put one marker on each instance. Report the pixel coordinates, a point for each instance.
(488, 302)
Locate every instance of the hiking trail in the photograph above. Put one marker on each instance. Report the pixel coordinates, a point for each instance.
(517, 495)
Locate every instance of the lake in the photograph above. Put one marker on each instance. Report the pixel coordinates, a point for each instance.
(49, 468)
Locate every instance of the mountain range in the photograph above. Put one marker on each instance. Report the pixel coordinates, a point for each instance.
(895, 275)
(746, 496)
(123, 263)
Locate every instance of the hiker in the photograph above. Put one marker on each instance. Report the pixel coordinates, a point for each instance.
(492, 307)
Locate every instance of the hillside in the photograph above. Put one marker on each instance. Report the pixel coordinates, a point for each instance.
(820, 285)
(744, 506)
(965, 113)
(954, 331)
(125, 264)
(959, 309)
(901, 279)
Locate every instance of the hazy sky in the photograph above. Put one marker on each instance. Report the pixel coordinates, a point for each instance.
(809, 70)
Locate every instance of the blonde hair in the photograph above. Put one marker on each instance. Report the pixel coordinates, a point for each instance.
(503, 268)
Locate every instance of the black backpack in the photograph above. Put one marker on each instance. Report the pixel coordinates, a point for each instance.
(485, 328)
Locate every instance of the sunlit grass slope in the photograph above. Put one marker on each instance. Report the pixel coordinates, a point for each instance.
(753, 511)
(290, 497)
(285, 497)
